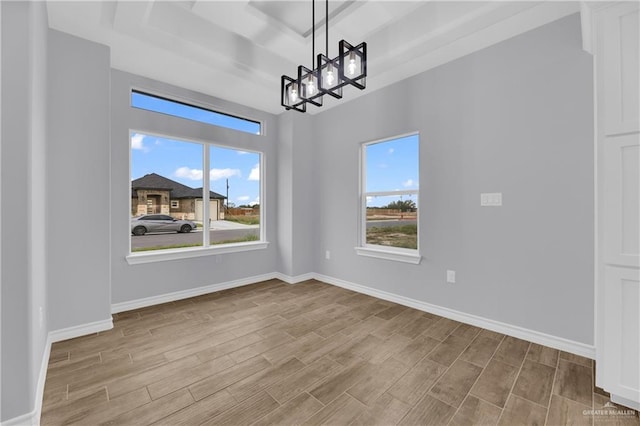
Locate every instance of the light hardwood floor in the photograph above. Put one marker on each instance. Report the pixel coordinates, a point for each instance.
(311, 353)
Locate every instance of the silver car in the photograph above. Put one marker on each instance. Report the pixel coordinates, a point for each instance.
(160, 223)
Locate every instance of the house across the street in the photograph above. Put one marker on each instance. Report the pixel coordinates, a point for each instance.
(155, 194)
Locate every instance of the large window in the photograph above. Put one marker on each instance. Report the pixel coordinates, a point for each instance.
(190, 112)
(176, 206)
(390, 199)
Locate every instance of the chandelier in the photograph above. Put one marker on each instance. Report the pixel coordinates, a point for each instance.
(329, 76)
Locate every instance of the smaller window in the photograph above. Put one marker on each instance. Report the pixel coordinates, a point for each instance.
(190, 112)
(389, 212)
(175, 204)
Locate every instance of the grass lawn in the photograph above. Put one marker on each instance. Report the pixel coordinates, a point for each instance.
(246, 220)
(171, 246)
(405, 236)
(244, 239)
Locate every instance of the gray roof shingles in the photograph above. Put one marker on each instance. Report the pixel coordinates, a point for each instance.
(178, 190)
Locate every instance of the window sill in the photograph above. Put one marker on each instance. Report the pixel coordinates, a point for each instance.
(397, 256)
(177, 254)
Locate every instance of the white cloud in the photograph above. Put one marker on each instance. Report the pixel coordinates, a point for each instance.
(243, 198)
(187, 173)
(255, 173)
(254, 202)
(217, 174)
(408, 183)
(137, 142)
(242, 152)
(391, 151)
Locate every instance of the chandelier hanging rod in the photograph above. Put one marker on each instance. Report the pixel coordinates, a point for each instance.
(313, 31)
(326, 27)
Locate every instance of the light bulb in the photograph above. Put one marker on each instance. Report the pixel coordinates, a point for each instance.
(293, 95)
(352, 66)
(310, 86)
(330, 77)
(352, 63)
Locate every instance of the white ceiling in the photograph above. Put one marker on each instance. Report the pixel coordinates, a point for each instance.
(237, 50)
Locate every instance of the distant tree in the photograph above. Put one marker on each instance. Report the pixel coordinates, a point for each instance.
(402, 205)
(231, 205)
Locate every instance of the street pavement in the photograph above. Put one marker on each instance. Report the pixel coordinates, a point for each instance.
(221, 230)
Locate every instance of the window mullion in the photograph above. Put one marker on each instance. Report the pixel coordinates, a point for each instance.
(206, 203)
(363, 198)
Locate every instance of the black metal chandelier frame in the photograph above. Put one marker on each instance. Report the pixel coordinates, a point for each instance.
(312, 84)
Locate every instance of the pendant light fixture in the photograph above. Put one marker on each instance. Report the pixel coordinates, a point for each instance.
(329, 76)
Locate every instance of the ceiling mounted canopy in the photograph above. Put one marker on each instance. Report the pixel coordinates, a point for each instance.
(327, 76)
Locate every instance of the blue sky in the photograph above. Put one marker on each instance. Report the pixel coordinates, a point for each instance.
(392, 166)
(152, 103)
(182, 162)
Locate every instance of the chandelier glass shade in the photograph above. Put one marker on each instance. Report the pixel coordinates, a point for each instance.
(328, 76)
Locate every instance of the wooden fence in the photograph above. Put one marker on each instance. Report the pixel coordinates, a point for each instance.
(236, 211)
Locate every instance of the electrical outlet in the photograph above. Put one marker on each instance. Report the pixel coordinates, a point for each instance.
(327, 255)
(451, 276)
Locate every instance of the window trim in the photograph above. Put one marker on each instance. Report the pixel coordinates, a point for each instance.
(190, 252)
(206, 249)
(398, 254)
(190, 102)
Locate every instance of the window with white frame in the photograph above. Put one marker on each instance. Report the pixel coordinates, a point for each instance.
(389, 204)
(183, 191)
(173, 204)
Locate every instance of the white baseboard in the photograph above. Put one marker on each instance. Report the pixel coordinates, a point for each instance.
(29, 419)
(42, 377)
(625, 402)
(497, 326)
(560, 343)
(32, 418)
(185, 294)
(294, 280)
(80, 330)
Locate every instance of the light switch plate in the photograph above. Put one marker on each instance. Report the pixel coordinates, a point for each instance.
(491, 199)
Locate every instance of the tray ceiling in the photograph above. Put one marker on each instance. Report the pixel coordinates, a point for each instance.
(237, 50)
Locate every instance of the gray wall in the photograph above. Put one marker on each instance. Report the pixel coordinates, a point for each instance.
(296, 199)
(131, 282)
(515, 118)
(78, 206)
(24, 125)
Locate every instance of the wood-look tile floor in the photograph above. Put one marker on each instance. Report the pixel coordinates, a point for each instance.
(312, 353)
